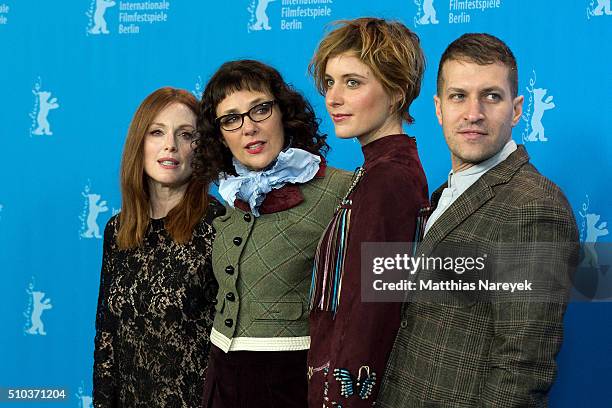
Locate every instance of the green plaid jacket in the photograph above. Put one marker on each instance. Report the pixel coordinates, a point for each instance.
(264, 268)
(488, 354)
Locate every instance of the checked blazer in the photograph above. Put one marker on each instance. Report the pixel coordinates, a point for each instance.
(489, 354)
(264, 268)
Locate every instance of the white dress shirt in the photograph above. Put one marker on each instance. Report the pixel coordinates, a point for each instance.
(458, 183)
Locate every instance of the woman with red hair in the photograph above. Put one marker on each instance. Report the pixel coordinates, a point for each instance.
(155, 307)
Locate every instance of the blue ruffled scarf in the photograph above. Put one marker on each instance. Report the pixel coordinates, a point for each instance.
(292, 165)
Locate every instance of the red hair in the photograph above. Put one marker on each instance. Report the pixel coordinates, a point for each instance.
(134, 217)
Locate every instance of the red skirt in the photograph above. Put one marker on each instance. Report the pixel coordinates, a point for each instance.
(256, 379)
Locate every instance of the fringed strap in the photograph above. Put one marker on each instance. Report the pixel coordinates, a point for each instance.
(419, 231)
(329, 259)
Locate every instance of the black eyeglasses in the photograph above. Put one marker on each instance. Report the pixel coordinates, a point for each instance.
(257, 113)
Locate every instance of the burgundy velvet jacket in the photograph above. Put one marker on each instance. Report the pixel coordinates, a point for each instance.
(385, 206)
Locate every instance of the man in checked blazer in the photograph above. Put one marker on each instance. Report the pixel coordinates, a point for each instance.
(500, 352)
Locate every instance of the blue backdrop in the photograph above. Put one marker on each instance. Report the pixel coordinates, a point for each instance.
(74, 72)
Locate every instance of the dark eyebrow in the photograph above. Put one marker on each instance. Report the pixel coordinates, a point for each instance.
(493, 89)
(254, 102)
(483, 91)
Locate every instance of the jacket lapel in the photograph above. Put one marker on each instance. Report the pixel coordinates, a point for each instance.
(471, 200)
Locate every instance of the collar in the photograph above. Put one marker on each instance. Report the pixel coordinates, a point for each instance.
(499, 174)
(381, 149)
(462, 180)
(284, 198)
(292, 166)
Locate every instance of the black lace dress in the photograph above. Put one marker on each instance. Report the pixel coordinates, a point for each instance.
(155, 312)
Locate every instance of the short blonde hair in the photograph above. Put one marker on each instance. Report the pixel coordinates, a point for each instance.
(388, 48)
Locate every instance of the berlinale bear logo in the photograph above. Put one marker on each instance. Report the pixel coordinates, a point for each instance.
(591, 278)
(259, 19)
(426, 13)
(34, 311)
(602, 7)
(95, 208)
(92, 207)
(43, 104)
(540, 105)
(97, 20)
(537, 103)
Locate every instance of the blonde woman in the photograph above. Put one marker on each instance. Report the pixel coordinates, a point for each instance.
(369, 71)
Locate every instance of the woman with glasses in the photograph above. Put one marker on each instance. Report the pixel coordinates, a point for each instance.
(155, 307)
(369, 71)
(259, 138)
